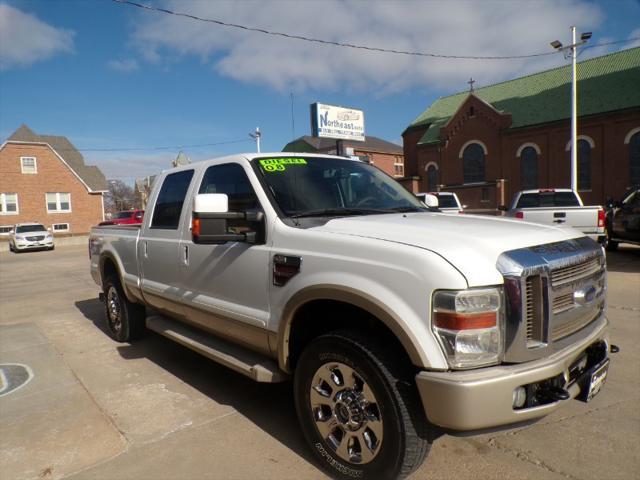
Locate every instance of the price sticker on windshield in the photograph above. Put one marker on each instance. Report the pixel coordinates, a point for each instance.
(280, 164)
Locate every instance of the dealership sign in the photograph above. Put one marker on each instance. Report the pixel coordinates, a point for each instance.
(329, 121)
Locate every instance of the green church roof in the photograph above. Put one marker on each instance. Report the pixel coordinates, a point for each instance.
(605, 84)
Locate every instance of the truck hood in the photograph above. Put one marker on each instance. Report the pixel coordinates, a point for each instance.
(471, 243)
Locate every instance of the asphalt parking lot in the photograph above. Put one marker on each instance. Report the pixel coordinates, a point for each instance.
(92, 408)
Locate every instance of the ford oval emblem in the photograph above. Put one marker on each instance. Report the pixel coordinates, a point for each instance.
(585, 296)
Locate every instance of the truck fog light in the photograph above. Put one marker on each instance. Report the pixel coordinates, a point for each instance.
(519, 397)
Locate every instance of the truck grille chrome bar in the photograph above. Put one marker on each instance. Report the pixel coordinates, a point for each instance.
(571, 273)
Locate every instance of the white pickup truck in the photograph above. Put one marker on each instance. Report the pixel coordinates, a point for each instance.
(392, 319)
(558, 206)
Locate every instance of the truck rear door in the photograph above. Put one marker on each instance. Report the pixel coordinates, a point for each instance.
(159, 244)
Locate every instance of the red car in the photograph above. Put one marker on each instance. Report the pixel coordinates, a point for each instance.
(127, 217)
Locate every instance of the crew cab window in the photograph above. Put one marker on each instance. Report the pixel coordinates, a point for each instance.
(166, 213)
(548, 199)
(232, 180)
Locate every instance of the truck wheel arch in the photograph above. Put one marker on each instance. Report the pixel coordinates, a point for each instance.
(349, 298)
(109, 265)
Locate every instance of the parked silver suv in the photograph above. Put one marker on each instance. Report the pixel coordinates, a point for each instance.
(30, 236)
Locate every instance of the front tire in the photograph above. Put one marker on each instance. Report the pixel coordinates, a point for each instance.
(125, 319)
(359, 408)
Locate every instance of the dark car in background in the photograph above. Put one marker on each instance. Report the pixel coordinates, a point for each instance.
(623, 219)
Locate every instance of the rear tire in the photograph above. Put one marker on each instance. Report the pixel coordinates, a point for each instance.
(125, 319)
(609, 245)
(359, 408)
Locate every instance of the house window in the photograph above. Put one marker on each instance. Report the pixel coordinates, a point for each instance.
(398, 167)
(60, 227)
(28, 165)
(432, 178)
(5, 229)
(9, 204)
(634, 159)
(529, 168)
(584, 165)
(473, 163)
(58, 202)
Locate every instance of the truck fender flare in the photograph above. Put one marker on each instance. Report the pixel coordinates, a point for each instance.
(353, 297)
(111, 257)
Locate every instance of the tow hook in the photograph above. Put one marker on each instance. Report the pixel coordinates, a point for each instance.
(614, 348)
(551, 393)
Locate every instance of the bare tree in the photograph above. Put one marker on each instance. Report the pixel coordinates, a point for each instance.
(120, 197)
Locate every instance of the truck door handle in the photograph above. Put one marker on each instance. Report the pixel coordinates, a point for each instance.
(146, 250)
(185, 255)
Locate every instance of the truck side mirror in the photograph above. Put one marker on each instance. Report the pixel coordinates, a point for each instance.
(209, 220)
(431, 200)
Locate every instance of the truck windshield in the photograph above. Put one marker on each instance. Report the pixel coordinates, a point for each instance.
(30, 228)
(548, 199)
(313, 186)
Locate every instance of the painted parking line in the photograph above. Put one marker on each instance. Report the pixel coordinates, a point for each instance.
(13, 376)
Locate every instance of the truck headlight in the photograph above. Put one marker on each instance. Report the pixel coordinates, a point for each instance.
(469, 325)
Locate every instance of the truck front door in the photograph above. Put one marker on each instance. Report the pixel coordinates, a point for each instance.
(226, 286)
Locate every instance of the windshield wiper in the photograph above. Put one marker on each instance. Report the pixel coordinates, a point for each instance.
(338, 212)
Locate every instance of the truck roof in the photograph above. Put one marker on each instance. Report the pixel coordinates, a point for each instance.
(253, 155)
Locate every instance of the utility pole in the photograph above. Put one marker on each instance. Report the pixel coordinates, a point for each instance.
(256, 136)
(570, 51)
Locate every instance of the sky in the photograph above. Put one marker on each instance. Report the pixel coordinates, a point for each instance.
(123, 83)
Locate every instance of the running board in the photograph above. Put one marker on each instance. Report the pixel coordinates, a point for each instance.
(246, 362)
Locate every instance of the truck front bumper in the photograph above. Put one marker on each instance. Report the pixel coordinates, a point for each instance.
(483, 398)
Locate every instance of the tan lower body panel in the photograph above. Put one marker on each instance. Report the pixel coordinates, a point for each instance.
(483, 398)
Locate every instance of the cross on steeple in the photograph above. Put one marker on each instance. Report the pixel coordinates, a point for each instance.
(471, 82)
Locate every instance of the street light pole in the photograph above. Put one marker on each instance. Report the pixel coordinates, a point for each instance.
(256, 136)
(574, 114)
(572, 51)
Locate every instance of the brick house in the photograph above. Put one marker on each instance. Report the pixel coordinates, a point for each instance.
(387, 156)
(44, 179)
(487, 144)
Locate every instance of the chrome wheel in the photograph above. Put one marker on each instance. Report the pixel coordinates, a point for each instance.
(114, 309)
(346, 413)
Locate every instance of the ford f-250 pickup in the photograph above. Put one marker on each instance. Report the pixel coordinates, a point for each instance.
(392, 318)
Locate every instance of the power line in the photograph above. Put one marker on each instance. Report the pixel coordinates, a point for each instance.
(330, 42)
(167, 147)
(351, 45)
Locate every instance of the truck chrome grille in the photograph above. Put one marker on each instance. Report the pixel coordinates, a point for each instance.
(566, 329)
(36, 238)
(528, 308)
(555, 295)
(571, 273)
(563, 302)
(532, 310)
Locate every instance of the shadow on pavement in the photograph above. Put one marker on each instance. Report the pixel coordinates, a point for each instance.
(93, 310)
(625, 260)
(269, 406)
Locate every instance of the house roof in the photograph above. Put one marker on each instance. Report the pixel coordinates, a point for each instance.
(90, 175)
(605, 84)
(316, 144)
